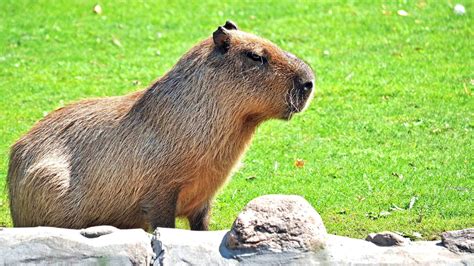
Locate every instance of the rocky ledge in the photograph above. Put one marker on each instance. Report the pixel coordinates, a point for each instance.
(272, 229)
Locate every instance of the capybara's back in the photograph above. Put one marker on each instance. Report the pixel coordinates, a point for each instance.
(142, 159)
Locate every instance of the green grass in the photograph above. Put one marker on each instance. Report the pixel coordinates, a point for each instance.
(392, 118)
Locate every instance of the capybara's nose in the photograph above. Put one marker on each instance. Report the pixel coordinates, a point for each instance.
(304, 85)
(307, 86)
(306, 77)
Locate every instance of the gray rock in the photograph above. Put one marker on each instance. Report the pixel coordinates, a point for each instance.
(272, 230)
(277, 223)
(47, 245)
(344, 250)
(184, 247)
(387, 239)
(96, 231)
(459, 241)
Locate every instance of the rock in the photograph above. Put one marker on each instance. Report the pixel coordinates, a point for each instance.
(185, 247)
(387, 239)
(348, 251)
(96, 231)
(271, 230)
(277, 223)
(43, 245)
(47, 245)
(459, 241)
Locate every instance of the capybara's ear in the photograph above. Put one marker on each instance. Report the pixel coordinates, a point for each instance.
(230, 25)
(221, 39)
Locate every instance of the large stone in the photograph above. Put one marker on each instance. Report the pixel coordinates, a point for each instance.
(275, 230)
(387, 239)
(344, 251)
(459, 241)
(277, 223)
(184, 247)
(99, 245)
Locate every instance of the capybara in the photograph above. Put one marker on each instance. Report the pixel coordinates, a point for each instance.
(143, 159)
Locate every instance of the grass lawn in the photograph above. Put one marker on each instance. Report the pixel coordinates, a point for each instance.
(392, 121)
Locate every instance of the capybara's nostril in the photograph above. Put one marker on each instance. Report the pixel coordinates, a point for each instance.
(308, 86)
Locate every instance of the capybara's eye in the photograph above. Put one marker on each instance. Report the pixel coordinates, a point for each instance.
(255, 57)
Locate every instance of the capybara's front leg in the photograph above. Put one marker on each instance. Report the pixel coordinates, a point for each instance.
(161, 212)
(199, 221)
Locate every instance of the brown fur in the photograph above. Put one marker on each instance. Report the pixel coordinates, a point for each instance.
(142, 159)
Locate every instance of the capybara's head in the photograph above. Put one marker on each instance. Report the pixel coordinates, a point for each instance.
(256, 75)
(279, 83)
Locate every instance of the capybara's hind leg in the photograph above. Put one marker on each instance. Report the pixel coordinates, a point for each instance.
(39, 199)
(199, 221)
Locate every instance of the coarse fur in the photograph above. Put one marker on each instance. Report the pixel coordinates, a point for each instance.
(142, 159)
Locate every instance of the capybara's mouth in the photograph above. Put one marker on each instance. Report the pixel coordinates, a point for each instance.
(298, 100)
